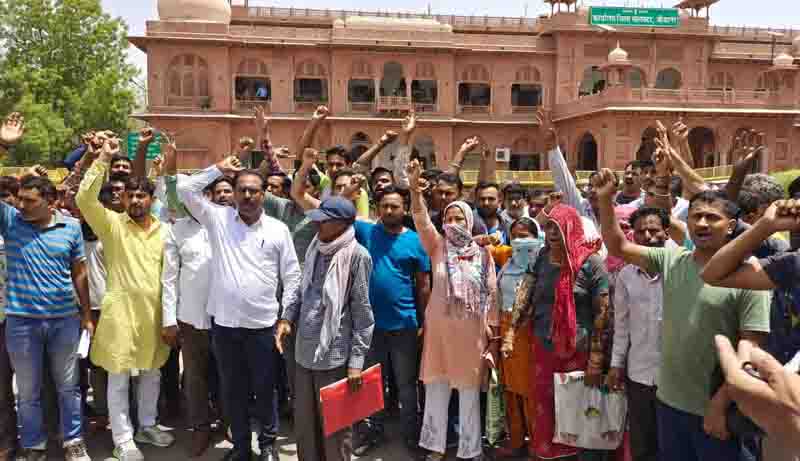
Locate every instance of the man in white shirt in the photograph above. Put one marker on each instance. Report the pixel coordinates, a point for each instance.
(185, 281)
(638, 304)
(251, 254)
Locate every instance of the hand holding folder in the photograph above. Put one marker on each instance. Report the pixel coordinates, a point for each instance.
(341, 407)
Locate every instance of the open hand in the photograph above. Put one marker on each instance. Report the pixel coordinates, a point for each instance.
(321, 113)
(388, 137)
(230, 165)
(409, 124)
(414, 171)
(772, 402)
(12, 129)
(261, 119)
(470, 144)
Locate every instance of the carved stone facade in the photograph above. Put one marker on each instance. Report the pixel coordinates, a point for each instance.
(467, 76)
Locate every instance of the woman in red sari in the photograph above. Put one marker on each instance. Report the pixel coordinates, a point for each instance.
(565, 299)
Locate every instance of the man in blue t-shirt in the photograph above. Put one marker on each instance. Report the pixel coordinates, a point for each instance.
(399, 289)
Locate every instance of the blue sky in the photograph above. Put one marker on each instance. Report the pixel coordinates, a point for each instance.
(726, 12)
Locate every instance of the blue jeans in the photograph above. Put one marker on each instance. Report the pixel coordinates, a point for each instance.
(28, 340)
(247, 365)
(681, 437)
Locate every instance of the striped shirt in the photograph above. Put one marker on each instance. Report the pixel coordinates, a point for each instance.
(39, 263)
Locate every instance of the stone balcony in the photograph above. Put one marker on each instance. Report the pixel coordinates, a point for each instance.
(643, 99)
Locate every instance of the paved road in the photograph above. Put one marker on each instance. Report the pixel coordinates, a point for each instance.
(100, 447)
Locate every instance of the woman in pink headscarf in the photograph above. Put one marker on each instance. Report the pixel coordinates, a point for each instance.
(566, 300)
(460, 321)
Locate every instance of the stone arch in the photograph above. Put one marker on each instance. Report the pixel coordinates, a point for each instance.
(359, 143)
(669, 79)
(187, 77)
(425, 71)
(528, 74)
(722, 81)
(252, 66)
(524, 155)
(703, 143)
(425, 149)
(759, 159)
(310, 69)
(393, 80)
(475, 73)
(648, 144)
(587, 151)
(362, 69)
(592, 81)
(637, 78)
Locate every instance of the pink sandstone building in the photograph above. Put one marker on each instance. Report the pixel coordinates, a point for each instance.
(211, 62)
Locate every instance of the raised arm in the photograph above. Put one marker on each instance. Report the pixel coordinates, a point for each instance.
(745, 149)
(146, 137)
(488, 168)
(99, 218)
(562, 179)
(190, 188)
(299, 190)
(310, 132)
(428, 234)
(458, 160)
(728, 268)
(680, 133)
(693, 183)
(364, 162)
(614, 238)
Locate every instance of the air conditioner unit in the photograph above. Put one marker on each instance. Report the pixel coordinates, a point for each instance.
(502, 154)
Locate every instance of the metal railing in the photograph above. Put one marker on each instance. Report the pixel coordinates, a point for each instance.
(248, 105)
(387, 103)
(248, 8)
(471, 110)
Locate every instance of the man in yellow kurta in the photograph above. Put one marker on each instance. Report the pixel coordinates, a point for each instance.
(128, 338)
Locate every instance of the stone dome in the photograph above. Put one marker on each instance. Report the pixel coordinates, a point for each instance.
(195, 10)
(783, 60)
(617, 55)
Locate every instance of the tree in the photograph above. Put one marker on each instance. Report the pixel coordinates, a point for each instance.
(63, 61)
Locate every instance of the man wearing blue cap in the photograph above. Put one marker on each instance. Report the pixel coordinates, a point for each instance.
(334, 323)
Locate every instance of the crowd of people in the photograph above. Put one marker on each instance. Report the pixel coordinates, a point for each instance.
(268, 286)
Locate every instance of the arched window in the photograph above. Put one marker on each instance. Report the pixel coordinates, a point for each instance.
(669, 79)
(424, 88)
(474, 90)
(636, 78)
(252, 83)
(475, 73)
(361, 87)
(425, 150)
(525, 156)
(526, 91)
(587, 153)
(721, 81)
(310, 85)
(187, 79)
(393, 81)
(592, 82)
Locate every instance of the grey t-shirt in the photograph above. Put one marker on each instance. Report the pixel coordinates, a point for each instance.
(292, 214)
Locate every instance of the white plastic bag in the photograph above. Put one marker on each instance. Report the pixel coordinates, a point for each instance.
(587, 417)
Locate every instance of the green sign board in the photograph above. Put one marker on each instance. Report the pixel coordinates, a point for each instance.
(633, 17)
(153, 150)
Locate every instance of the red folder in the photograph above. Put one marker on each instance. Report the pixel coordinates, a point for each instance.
(341, 408)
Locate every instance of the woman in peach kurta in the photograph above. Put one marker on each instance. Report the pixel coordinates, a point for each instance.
(458, 324)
